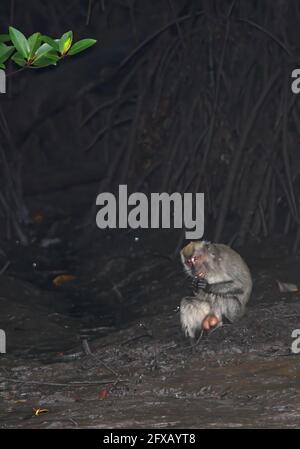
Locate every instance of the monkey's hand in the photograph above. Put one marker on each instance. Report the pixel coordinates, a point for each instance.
(199, 283)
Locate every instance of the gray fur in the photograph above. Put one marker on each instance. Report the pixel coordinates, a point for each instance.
(229, 285)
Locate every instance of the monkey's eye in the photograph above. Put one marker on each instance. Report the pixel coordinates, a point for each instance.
(190, 262)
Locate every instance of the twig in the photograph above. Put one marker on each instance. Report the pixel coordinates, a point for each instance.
(15, 72)
(88, 14)
(157, 33)
(268, 33)
(104, 130)
(238, 153)
(86, 347)
(73, 421)
(88, 352)
(138, 337)
(177, 24)
(6, 265)
(216, 100)
(58, 384)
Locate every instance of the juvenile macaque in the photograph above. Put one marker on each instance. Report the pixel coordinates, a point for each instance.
(222, 286)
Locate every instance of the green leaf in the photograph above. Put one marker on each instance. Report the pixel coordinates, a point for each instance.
(2, 66)
(34, 42)
(65, 42)
(4, 38)
(19, 59)
(52, 42)
(81, 45)
(20, 42)
(5, 52)
(46, 60)
(45, 56)
(44, 50)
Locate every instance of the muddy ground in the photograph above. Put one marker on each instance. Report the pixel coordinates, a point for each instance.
(105, 350)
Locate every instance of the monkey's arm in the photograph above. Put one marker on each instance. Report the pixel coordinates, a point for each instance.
(225, 289)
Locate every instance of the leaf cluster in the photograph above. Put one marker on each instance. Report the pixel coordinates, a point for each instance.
(38, 50)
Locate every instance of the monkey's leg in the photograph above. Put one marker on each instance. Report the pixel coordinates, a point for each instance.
(227, 306)
(192, 313)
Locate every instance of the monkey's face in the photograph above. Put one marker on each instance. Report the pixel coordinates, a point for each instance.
(195, 258)
(205, 260)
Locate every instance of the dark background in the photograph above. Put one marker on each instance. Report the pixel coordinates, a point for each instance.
(176, 96)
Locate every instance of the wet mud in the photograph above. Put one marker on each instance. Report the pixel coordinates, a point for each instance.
(105, 350)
